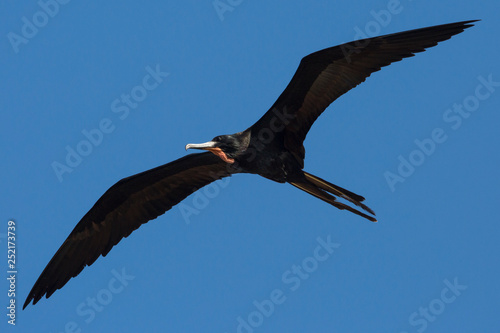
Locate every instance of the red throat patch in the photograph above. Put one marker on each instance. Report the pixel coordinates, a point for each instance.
(222, 155)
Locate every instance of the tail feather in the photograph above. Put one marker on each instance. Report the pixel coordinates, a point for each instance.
(338, 191)
(318, 187)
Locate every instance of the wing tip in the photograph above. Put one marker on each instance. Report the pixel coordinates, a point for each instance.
(467, 24)
(26, 303)
(30, 298)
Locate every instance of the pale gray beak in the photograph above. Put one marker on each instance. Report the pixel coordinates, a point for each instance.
(206, 145)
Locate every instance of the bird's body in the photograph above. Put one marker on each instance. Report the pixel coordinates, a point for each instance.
(272, 148)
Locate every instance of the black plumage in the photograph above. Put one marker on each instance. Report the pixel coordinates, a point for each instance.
(272, 148)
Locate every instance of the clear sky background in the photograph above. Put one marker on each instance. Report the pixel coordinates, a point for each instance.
(429, 264)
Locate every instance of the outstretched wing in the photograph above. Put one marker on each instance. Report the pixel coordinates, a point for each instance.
(325, 75)
(127, 205)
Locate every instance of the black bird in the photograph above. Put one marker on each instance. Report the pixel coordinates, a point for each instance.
(272, 148)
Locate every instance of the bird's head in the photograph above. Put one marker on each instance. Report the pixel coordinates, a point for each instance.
(227, 147)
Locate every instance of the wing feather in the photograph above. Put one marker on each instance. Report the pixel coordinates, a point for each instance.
(324, 76)
(122, 209)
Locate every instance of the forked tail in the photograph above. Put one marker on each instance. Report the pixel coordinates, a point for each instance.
(319, 188)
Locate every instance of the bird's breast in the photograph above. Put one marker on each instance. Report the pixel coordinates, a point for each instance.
(271, 165)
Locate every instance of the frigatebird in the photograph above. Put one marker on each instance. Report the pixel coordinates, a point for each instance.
(272, 148)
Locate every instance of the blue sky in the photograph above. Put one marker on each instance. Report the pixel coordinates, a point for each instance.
(256, 256)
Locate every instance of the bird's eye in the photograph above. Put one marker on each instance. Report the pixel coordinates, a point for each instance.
(217, 138)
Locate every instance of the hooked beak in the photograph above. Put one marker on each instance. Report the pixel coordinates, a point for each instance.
(212, 147)
(206, 146)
